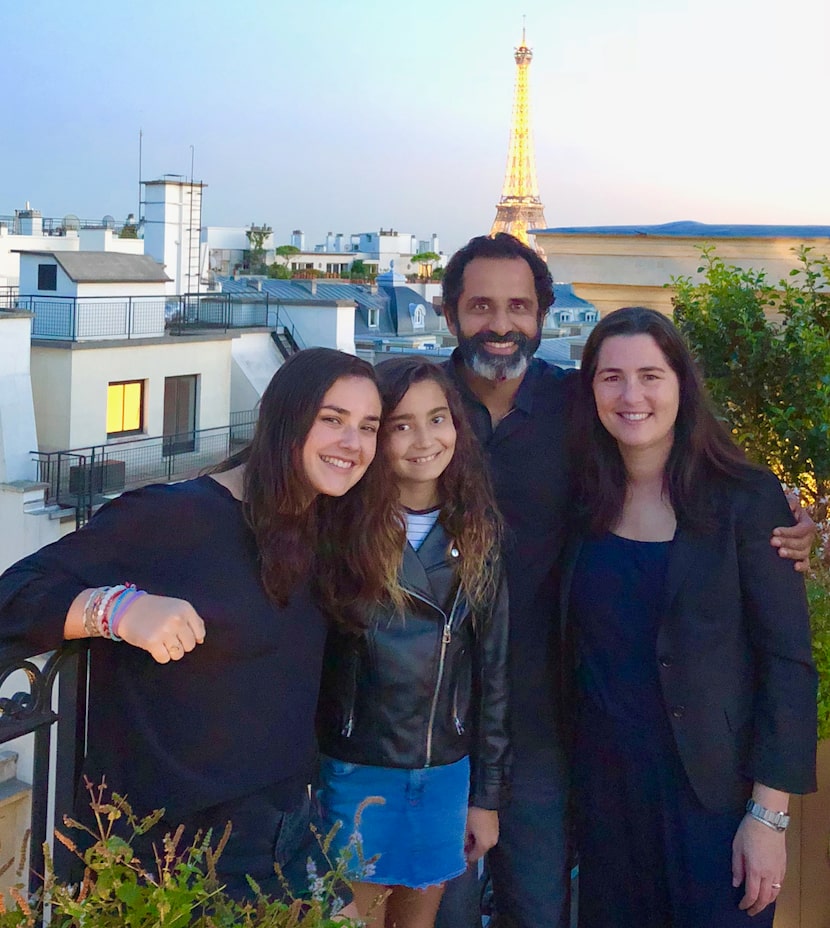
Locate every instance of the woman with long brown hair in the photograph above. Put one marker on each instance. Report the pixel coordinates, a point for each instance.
(414, 708)
(696, 714)
(205, 601)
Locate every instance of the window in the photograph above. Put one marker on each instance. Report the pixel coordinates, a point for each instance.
(374, 317)
(179, 414)
(125, 408)
(47, 277)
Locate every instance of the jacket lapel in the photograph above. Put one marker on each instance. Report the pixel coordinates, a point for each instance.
(436, 566)
(569, 558)
(413, 575)
(688, 552)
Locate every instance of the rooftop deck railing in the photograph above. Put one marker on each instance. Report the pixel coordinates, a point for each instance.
(8, 297)
(50, 225)
(67, 318)
(83, 478)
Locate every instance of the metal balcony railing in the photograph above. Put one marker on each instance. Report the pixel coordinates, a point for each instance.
(53, 226)
(83, 478)
(30, 711)
(8, 297)
(67, 318)
(72, 319)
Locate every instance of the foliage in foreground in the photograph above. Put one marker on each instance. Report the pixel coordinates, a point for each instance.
(818, 595)
(180, 890)
(764, 350)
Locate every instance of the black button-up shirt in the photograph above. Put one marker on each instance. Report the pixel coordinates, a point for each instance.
(529, 467)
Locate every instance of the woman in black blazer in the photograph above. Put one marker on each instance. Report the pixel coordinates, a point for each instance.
(696, 713)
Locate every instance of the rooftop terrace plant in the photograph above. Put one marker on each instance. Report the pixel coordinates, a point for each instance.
(179, 889)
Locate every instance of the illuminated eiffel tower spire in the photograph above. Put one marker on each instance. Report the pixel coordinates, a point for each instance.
(520, 207)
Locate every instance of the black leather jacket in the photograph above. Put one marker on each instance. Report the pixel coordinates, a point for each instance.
(426, 688)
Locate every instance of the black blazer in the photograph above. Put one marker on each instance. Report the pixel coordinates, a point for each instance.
(733, 649)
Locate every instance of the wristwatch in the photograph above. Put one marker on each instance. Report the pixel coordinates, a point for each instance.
(776, 820)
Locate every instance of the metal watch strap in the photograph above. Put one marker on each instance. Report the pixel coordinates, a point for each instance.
(776, 820)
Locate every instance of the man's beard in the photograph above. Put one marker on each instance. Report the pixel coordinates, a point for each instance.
(493, 367)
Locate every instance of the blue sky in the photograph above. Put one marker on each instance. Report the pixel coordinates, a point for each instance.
(328, 115)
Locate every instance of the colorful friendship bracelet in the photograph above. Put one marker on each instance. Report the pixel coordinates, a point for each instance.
(124, 601)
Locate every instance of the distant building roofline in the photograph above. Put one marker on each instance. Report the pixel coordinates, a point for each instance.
(175, 180)
(691, 229)
(104, 266)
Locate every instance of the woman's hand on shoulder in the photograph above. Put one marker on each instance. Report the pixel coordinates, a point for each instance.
(482, 832)
(759, 861)
(164, 626)
(796, 541)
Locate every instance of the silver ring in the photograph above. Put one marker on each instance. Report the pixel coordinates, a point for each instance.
(775, 885)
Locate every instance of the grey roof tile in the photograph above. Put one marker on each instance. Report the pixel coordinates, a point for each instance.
(107, 266)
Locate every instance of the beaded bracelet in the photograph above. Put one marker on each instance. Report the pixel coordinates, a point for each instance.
(105, 607)
(90, 608)
(102, 615)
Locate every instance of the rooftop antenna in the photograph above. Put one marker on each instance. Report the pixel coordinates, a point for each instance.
(190, 273)
(140, 140)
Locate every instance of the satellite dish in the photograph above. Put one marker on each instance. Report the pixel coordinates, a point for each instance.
(71, 222)
(108, 222)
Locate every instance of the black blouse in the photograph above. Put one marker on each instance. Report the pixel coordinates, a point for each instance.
(233, 716)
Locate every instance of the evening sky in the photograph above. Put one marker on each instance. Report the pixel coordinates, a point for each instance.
(351, 115)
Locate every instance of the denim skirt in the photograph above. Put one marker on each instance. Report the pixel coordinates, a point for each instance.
(398, 827)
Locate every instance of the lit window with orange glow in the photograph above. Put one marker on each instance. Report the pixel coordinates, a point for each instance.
(125, 408)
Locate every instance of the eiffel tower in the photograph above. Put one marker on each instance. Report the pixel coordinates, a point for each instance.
(520, 207)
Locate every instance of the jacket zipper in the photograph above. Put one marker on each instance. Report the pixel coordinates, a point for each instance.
(446, 637)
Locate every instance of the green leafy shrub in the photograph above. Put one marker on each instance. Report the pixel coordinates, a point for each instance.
(818, 593)
(764, 350)
(181, 889)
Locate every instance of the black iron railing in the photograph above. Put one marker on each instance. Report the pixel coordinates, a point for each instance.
(83, 478)
(61, 676)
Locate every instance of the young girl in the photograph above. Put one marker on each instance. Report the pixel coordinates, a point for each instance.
(414, 710)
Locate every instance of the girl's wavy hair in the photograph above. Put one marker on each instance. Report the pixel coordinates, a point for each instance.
(468, 510)
(348, 547)
(702, 447)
